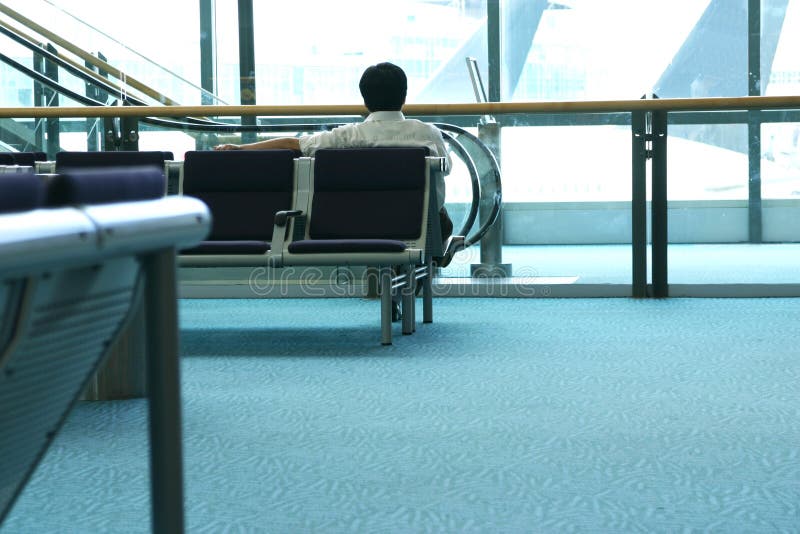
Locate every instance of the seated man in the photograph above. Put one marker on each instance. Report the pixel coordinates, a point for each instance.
(383, 87)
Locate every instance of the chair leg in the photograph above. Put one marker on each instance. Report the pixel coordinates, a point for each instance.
(427, 295)
(413, 293)
(385, 291)
(407, 295)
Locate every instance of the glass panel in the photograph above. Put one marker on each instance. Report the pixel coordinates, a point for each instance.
(566, 163)
(589, 50)
(707, 162)
(709, 215)
(226, 48)
(319, 60)
(566, 192)
(780, 160)
(781, 35)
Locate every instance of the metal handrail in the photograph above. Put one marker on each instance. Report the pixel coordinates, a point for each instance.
(494, 193)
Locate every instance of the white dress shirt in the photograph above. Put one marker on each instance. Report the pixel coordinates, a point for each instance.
(382, 128)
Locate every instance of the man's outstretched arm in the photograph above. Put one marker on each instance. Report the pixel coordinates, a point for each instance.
(285, 143)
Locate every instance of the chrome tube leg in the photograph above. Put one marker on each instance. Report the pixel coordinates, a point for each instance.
(163, 387)
(385, 291)
(427, 295)
(407, 294)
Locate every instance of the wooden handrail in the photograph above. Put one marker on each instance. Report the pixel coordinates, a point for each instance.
(495, 108)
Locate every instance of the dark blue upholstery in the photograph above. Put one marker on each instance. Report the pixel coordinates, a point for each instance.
(311, 246)
(28, 158)
(371, 193)
(99, 186)
(243, 189)
(20, 192)
(229, 247)
(85, 160)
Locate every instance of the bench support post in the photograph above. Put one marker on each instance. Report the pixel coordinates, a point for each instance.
(163, 384)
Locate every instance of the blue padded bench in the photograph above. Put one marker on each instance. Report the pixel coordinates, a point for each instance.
(21, 192)
(111, 159)
(367, 207)
(27, 159)
(69, 277)
(243, 190)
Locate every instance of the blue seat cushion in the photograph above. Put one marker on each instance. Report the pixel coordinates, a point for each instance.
(20, 192)
(315, 246)
(228, 247)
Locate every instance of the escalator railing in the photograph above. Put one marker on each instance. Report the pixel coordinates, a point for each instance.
(24, 27)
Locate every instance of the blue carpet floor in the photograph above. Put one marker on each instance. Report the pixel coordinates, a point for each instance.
(505, 415)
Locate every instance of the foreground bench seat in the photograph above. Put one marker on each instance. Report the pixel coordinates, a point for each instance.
(70, 275)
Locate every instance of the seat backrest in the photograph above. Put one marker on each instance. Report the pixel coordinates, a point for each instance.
(368, 193)
(20, 192)
(103, 185)
(242, 188)
(109, 159)
(28, 158)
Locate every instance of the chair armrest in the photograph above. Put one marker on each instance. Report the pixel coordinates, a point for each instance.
(454, 243)
(282, 217)
(279, 235)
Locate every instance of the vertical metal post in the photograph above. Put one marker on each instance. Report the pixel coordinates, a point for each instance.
(754, 121)
(94, 126)
(489, 132)
(491, 264)
(639, 204)
(53, 123)
(163, 384)
(247, 64)
(47, 131)
(39, 100)
(207, 42)
(130, 133)
(755, 222)
(658, 207)
(495, 53)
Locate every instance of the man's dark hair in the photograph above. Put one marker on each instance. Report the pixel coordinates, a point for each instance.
(384, 87)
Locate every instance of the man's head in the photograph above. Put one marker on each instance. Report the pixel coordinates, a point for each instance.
(383, 87)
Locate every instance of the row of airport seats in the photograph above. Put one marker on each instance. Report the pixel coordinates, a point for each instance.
(344, 207)
(78, 252)
(371, 207)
